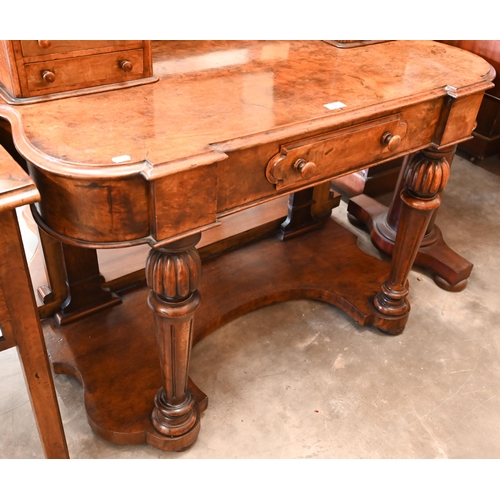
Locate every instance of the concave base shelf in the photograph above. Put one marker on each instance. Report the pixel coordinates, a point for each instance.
(114, 352)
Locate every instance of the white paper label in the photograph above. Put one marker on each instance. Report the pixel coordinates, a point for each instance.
(121, 159)
(334, 105)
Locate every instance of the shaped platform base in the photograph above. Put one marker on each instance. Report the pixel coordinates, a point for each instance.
(114, 352)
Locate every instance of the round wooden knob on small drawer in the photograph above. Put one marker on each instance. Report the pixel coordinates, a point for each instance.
(126, 66)
(306, 169)
(44, 44)
(48, 76)
(391, 141)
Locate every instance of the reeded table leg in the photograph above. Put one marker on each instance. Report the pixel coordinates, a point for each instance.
(451, 271)
(425, 177)
(173, 274)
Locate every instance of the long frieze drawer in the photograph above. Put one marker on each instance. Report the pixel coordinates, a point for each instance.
(51, 76)
(34, 48)
(336, 152)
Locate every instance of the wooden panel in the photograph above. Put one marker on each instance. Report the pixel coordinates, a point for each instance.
(184, 201)
(462, 119)
(84, 71)
(32, 48)
(102, 210)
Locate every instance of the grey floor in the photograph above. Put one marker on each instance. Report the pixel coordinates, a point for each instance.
(302, 380)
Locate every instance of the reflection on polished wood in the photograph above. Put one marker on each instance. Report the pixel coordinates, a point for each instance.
(230, 126)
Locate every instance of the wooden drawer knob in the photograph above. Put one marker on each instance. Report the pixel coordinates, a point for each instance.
(44, 44)
(306, 169)
(126, 66)
(391, 141)
(48, 76)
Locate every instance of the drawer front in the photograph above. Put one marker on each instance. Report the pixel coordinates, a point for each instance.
(76, 72)
(33, 48)
(335, 153)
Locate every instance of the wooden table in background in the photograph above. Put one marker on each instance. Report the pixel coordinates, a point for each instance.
(227, 127)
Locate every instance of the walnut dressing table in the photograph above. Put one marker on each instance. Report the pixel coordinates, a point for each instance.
(227, 127)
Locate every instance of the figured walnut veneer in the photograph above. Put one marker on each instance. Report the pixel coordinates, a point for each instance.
(231, 125)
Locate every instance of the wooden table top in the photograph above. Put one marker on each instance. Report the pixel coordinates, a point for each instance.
(216, 95)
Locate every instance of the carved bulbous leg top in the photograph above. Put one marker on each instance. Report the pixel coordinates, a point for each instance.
(427, 174)
(173, 272)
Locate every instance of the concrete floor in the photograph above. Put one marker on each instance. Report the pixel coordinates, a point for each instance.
(302, 380)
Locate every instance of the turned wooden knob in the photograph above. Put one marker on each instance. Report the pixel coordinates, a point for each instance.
(391, 141)
(126, 66)
(44, 44)
(306, 169)
(48, 76)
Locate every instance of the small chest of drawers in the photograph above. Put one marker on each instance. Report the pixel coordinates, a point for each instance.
(39, 69)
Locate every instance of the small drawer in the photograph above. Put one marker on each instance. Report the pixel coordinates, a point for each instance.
(335, 153)
(34, 48)
(77, 72)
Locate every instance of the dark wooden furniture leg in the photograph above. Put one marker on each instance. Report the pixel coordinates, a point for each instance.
(309, 209)
(23, 329)
(425, 177)
(173, 274)
(75, 288)
(451, 271)
(55, 292)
